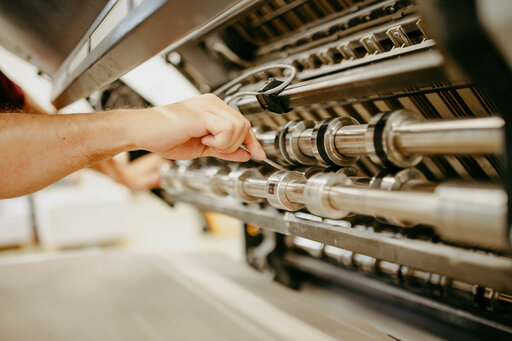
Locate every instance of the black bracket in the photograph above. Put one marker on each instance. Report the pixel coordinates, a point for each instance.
(271, 102)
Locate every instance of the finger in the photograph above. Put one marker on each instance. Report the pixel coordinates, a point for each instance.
(220, 107)
(241, 124)
(152, 181)
(239, 155)
(223, 134)
(254, 146)
(244, 131)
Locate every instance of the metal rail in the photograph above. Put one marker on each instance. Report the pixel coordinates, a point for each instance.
(466, 214)
(472, 267)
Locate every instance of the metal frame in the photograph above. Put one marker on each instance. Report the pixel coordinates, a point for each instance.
(462, 264)
(144, 32)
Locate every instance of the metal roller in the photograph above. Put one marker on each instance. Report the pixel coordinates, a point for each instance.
(469, 214)
(395, 182)
(323, 141)
(379, 137)
(212, 176)
(276, 190)
(292, 143)
(396, 139)
(236, 184)
(317, 196)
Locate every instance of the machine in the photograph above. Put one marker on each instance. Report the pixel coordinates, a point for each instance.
(390, 118)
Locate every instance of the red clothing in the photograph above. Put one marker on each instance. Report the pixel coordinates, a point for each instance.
(11, 95)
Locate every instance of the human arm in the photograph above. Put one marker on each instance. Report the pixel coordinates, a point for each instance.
(38, 150)
(140, 174)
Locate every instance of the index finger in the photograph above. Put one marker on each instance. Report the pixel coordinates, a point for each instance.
(254, 146)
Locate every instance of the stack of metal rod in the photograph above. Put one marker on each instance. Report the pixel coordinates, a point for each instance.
(462, 213)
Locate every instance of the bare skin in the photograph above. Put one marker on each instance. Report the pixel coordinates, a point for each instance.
(140, 175)
(38, 150)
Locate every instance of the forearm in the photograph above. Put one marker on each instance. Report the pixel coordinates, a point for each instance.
(38, 150)
(30, 106)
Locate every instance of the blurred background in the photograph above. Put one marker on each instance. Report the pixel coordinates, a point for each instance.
(88, 210)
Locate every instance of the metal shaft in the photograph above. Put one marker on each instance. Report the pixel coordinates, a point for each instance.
(472, 214)
(475, 136)
(468, 136)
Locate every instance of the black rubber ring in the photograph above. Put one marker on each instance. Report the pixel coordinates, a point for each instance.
(377, 180)
(320, 138)
(282, 143)
(378, 135)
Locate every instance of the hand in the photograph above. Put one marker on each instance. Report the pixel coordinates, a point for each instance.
(200, 126)
(142, 173)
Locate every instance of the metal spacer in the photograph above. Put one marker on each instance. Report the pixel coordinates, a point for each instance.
(292, 143)
(237, 178)
(323, 141)
(316, 194)
(394, 182)
(275, 190)
(380, 144)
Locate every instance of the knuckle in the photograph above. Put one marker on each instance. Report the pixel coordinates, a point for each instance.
(223, 142)
(247, 125)
(208, 98)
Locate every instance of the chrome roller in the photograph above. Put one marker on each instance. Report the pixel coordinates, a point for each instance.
(323, 141)
(280, 142)
(276, 189)
(213, 174)
(396, 182)
(316, 194)
(236, 180)
(292, 146)
(380, 139)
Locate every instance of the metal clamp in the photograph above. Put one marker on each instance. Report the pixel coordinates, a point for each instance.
(271, 102)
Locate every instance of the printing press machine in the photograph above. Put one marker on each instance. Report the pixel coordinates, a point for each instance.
(389, 117)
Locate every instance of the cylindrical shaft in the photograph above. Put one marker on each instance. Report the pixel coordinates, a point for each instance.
(467, 214)
(295, 192)
(465, 136)
(305, 142)
(349, 140)
(223, 181)
(409, 206)
(267, 142)
(469, 136)
(255, 187)
(195, 179)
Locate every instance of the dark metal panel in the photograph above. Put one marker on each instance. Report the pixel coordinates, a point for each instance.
(147, 30)
(45, 32)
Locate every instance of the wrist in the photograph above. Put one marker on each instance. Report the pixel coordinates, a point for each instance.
(126, 125)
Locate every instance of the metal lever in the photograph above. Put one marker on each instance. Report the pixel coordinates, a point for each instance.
(266, 160)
